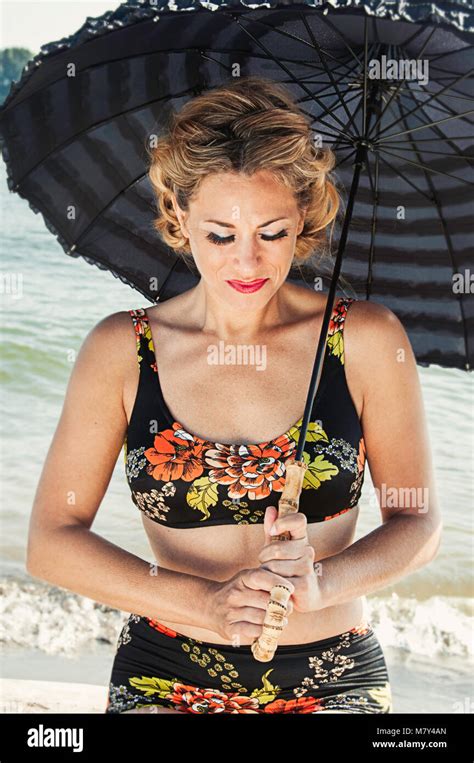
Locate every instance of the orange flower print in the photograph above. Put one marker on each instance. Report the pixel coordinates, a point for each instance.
(160, 627)
(250, 470)
(175, 455)
(331, 516)
(360, 629)
(193, 699)
(300, 705)
(338, 314)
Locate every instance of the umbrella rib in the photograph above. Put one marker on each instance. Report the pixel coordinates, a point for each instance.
(449, 244)
(340, 138)
(441, 74)
(458, 79)
(440, 78)
(415, 35)
(442, 107)
(282, 66)
(451, 52)
(95, 126)
(412, 90)
(438, 153)
(375, 195)
(364, 103)
(425, 167)
(348, 100)
(290, 36)
(344, 158)
(444, 138)
(400, 85)
(423, 127)
(431, 140)
(403, 176)
(328, 23)
(326, 110)
(445, 109)
(92, 222)
(454, 152)
(328, 71)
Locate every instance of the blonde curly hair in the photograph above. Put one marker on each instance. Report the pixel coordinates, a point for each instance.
(249, 124)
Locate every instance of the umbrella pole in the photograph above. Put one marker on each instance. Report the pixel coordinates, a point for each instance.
(264, 646)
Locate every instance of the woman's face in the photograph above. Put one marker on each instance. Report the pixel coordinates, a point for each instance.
(242, 229)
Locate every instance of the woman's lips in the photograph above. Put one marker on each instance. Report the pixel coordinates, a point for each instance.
(249, 286)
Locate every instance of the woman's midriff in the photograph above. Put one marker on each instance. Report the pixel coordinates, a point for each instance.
(218, 553)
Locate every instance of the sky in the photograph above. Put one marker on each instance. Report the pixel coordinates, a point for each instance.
(32, 23)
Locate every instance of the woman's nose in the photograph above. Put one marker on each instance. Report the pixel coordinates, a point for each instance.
(247, 259)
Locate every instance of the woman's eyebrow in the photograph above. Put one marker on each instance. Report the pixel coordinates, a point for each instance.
(228, 225)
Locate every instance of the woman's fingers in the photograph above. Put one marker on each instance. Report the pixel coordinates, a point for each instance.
(285, 549)
(289, 568)
(249, 615)
(295, 524)
(260, 579)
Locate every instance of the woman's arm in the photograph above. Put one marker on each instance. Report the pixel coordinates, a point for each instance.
(89, 437)
(399, 457)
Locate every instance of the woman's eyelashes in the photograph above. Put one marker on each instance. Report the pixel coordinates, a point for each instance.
(219, 240)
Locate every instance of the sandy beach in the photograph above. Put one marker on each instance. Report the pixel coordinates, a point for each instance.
(23, 696)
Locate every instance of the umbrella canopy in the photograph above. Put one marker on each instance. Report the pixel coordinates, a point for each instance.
(390, 95)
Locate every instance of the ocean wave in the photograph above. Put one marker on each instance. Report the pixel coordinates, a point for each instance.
(435, 626)
(36, 615)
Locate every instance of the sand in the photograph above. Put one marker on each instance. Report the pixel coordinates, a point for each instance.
(24, 696)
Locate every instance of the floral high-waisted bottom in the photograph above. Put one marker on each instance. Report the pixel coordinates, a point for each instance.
(157, 666)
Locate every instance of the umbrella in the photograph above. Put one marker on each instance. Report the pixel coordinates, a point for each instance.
(387, 88)
(74, 133)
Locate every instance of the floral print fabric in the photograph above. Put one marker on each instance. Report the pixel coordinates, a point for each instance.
(156, 666)
(179, 479)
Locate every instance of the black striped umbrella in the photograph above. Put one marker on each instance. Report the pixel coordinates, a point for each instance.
(387, 89)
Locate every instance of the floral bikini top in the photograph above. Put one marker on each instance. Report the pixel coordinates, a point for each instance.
(181, 480)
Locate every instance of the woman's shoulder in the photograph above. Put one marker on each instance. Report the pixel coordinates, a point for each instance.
(371, 321)
(115, 325)
(375, 342)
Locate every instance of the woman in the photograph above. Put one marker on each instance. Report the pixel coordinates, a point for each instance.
(199, 390)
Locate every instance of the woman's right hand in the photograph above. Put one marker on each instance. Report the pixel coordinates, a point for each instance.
(236, 607)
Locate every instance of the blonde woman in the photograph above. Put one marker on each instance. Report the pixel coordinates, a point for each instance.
(243, 195)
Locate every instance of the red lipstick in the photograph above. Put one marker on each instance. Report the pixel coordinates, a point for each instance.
(247, 287)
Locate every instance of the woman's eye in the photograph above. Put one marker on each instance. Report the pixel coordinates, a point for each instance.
(219, 240)
(281, 234)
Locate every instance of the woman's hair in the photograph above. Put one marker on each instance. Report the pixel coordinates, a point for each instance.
(247, 125)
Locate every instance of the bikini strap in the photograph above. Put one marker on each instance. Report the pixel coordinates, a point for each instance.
(335, 338)
(143, 336)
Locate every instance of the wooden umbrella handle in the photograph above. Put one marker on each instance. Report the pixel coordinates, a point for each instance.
(264, 646)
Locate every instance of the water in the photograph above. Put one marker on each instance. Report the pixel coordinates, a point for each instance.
(424, 621)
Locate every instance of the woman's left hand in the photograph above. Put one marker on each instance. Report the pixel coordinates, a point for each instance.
(292, 559)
